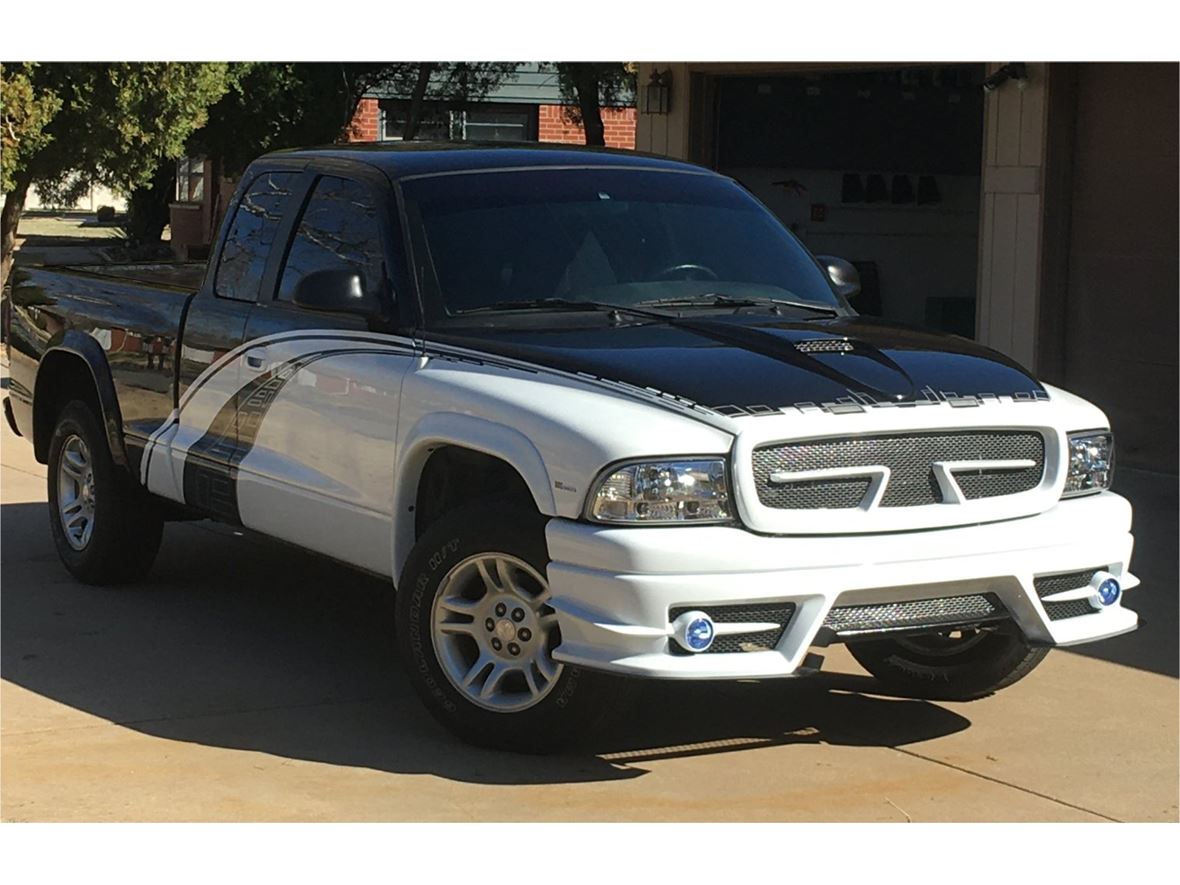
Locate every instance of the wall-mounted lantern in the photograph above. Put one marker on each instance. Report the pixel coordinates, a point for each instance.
(657, 94)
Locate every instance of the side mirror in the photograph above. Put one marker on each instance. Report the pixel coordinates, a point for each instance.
(843, 274)
(335, 289)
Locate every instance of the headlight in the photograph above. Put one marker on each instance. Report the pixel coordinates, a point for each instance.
(1091, 462)
(663, 493)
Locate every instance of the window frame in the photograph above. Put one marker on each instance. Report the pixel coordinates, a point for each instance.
(188, 169)
(297, 195)
(397, 296)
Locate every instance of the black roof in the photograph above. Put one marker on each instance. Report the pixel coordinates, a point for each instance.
(403, 159)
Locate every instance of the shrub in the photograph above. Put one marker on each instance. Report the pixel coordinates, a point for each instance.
(105, 213)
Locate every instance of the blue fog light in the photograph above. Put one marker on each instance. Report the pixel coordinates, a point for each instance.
(700, 634)
(693, 631)
(1106, 590)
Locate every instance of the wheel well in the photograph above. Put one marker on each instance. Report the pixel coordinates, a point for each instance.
(62, 378)
(453, 476)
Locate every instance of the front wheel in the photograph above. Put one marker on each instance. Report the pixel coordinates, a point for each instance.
(953, 666)
(477, 634)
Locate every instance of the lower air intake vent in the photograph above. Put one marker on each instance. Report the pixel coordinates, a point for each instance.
(959, 611)
(746, 613)
(1047, 585)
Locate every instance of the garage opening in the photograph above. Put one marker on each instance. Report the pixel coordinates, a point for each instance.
(879, 167)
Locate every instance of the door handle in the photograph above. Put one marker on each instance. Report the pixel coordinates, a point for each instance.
(256, 359)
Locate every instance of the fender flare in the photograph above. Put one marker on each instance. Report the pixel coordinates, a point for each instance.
(82, 346)
(466, 431)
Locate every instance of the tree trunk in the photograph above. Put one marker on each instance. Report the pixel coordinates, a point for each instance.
(14, 205)
(585, 79)
(148, 209)
(417, 98)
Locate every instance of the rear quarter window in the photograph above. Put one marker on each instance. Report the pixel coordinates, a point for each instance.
(247, 245)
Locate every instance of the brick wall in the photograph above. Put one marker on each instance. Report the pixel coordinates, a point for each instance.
(619, 125)
(364, 122)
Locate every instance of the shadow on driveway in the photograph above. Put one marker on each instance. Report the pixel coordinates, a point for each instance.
(243, 643)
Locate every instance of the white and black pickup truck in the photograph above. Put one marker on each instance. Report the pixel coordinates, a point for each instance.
(593, 415)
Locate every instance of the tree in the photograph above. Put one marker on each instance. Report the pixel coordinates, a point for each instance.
(588, 85)
(114, 125)
(24, 115)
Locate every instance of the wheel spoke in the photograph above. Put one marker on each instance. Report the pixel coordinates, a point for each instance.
(531, 680)
(458, 628)
(481, 664)
(540, 600)
(486, 575)
(75, 519)
(504, 573)
(460, 606)
(493, 681)
(547, 622)
(73, 507)
(547, 666)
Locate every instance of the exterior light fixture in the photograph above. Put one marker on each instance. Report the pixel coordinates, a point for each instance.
(657, 94)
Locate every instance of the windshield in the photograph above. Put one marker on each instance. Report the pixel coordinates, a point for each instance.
(614, 236)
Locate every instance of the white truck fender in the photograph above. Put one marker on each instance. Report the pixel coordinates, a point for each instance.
(479, 434)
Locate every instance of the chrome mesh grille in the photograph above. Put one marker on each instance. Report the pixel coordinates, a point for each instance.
(909, 458)
(1047, 585)
(766, 612)
(885, 616)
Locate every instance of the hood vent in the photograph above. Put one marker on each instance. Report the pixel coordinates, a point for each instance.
(825, 345)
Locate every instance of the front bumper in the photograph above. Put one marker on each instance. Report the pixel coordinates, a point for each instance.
(613, 587)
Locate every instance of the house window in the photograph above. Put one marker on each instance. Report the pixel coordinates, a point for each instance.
(485, 122)
(434, 124)
(190, 179)
(498, 124)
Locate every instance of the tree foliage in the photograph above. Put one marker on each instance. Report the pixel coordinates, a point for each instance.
(24, 115)
(114, 124)
(117, 122)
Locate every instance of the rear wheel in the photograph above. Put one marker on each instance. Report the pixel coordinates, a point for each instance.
(106, 528)
(477, 634)
(959, 665)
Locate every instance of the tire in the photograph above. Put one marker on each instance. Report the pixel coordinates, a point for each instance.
(942, 667)
(116, 526)
(458, 560)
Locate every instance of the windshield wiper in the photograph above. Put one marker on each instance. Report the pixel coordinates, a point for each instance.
(717, 299)
(561, 304)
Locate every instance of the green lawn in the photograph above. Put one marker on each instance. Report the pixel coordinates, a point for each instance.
(68, 226)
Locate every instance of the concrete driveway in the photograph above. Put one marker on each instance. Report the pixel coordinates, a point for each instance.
(249, 681)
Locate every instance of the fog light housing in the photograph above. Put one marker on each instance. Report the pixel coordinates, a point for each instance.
(1107, 590)
(694, 631)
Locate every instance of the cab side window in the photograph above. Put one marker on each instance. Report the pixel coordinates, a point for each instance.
(338, 229)
(247, 245)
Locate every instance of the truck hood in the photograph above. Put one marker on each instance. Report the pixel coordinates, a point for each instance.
(739, 363)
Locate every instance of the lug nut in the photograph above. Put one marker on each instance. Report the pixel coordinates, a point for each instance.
(513, 648)
(500, 609)
(525, 634)
(497, 644)
(518, 615)
(490, 624)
